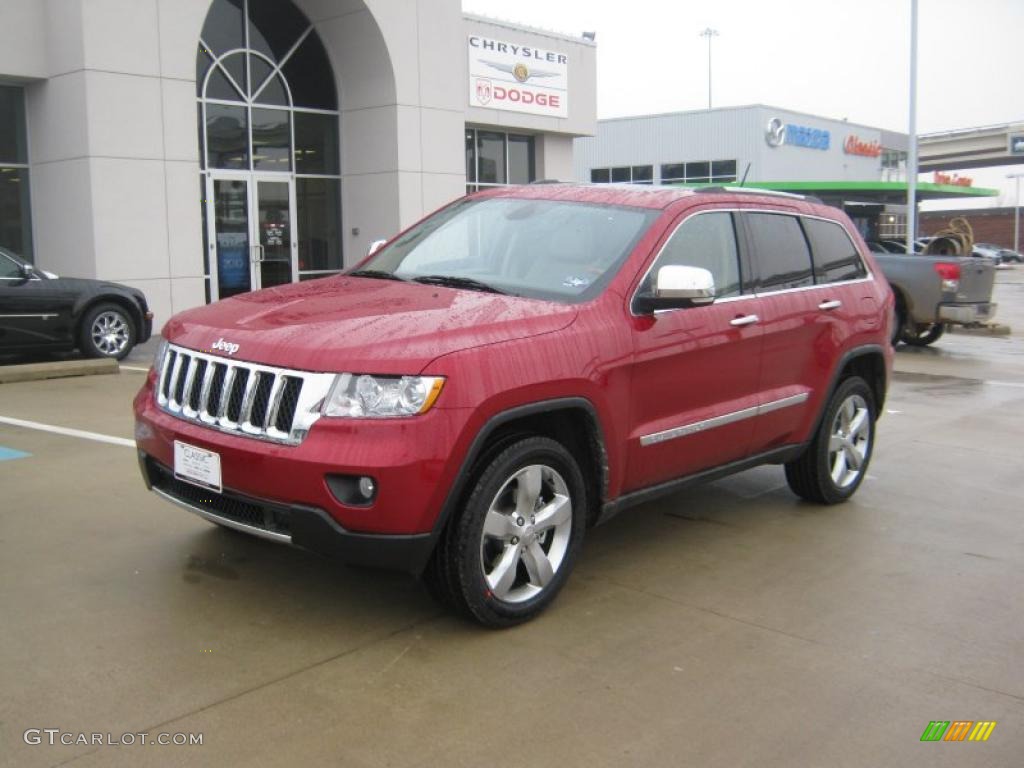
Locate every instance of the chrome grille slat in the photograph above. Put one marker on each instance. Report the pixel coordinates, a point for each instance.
(204, 392)
(268, 403)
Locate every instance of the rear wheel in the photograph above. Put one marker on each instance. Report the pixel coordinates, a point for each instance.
(107, 331)
(923, 335)
(833, 466)
(510, 550)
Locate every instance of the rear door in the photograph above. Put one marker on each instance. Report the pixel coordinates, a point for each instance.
(695, 370)
(810, 280)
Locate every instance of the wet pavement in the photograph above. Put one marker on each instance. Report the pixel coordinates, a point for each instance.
(731, 625)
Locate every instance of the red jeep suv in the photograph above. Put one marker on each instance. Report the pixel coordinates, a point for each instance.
(520, 365)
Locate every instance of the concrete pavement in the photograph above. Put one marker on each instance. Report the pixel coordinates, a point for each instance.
(731, 625)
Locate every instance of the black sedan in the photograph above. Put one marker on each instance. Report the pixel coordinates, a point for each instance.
(42, 312)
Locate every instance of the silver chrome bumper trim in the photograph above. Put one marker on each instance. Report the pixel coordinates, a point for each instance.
(279, 538)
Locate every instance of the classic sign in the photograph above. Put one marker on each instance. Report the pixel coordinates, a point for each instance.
(517, 78)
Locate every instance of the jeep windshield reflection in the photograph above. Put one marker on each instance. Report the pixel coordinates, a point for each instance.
(541, 249)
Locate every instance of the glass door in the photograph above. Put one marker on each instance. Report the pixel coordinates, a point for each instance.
(251, 239)
(273, 236)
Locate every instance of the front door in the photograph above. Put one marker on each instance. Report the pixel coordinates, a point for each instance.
(252, 238)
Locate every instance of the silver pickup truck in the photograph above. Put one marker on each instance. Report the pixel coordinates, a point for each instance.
(935, 291)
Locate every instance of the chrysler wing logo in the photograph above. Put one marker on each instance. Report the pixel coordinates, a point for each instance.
(519, 71)
(775, 132)
(224, 346)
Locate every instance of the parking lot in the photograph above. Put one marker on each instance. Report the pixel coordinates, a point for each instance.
(730, 625)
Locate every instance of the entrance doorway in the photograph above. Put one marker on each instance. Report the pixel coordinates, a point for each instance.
(251, 219)
(269, 150)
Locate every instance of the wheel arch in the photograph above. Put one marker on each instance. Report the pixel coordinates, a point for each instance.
(867, 362)
(125, 302)
(572, 421)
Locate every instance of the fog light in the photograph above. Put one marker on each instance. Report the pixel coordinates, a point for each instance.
(353, 490)
(367, 487)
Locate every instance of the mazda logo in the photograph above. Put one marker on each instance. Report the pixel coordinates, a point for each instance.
(775, 132)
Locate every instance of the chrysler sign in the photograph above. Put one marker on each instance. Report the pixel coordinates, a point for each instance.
(517, 78)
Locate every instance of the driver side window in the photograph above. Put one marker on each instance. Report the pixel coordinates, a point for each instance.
(706, 240)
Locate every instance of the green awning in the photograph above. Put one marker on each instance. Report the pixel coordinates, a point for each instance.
(874, 191)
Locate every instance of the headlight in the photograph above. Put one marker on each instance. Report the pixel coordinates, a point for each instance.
(360, 396)
(158, 357)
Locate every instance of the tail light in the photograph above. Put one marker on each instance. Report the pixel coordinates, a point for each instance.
(950, 275)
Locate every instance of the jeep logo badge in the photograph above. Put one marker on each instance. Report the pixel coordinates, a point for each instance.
(224, 346)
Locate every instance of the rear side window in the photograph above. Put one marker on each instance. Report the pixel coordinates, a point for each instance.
(780, 251)
(835, 256)
(706, 240)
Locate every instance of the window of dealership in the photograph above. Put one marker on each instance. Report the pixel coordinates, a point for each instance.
(15, 217)
(268, 140)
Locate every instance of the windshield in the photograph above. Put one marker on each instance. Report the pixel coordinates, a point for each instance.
(544, 249)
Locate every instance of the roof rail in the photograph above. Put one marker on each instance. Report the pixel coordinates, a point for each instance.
(721, 189)
(548, 181)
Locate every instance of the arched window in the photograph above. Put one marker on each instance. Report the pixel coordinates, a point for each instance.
(268, 105)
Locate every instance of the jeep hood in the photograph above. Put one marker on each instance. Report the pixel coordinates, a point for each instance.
(361, 325)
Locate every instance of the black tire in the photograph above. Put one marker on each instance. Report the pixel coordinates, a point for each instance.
(899, 319)
(811, 476)
(923, 335)
(123, 332)
(456, 575)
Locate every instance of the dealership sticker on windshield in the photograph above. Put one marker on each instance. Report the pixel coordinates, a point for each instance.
(197, 466)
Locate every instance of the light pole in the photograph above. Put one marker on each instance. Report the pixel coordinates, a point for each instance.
(709, 33)
(1016, 211)
(912, 155)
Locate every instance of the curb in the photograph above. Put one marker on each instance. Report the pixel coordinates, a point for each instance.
(996, 329)
(10, 374)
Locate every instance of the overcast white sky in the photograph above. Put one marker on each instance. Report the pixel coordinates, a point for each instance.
(837, 59)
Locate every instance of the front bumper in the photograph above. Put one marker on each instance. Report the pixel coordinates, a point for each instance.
(306, 527)
(967, 314)
(413, 463)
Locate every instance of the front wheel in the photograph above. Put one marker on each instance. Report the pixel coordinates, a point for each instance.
(833, 466)
(510, 551)
(923, 335)
(107, 331)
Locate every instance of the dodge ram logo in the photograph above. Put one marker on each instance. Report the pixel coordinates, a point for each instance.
(775, 132)
(224, 346)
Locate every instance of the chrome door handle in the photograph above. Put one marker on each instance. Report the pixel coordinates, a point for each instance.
(833, 304)
(744, 320)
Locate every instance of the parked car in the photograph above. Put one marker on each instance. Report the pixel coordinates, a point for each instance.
(988, 251)
(41, 312)
(520, 365)
(935, 291)
(1008, 255)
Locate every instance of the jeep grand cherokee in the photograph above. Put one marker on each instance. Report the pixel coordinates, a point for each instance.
(519, 366)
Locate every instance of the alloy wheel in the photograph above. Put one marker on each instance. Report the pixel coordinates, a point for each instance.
(526, 533)
(110, 333)
(850, 440)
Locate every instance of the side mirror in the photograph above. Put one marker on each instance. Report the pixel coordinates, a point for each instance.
(375, 246)
(676, 287)
(27, 272)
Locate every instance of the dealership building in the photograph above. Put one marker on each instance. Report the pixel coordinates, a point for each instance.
(197, 149)
(857, 167)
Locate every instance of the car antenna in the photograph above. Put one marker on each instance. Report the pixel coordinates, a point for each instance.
(745, 172)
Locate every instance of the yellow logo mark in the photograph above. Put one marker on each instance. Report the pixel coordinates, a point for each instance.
(982, 730)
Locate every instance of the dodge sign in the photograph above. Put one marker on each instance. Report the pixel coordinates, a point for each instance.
(517, 78)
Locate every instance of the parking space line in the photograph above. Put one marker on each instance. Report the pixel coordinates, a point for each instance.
(68, 432)
(6, 454)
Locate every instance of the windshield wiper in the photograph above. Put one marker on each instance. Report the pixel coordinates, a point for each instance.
(378, 274)
(451, 281)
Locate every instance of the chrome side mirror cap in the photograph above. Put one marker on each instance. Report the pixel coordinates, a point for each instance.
(375, 246)
(689, 285)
